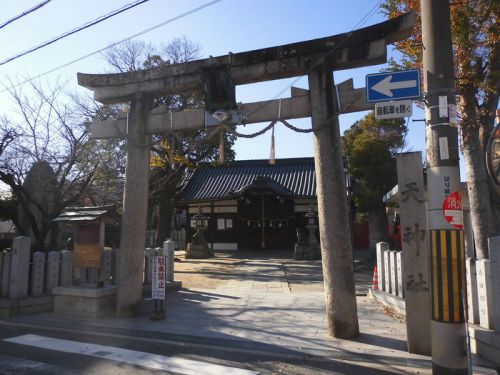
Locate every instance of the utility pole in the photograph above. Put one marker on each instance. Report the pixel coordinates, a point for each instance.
(449, 355)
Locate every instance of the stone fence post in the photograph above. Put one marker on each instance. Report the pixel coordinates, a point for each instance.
(169, 252)
(485, 293)
(472, 297)
(494, 249)
(394, 272)
(66, 268)
(387, 271)
(52, 271)
(2, 256)
(114, 265)
(5, 275)
(107, 265)
(148, 265)
(399, 270)
(381, 248)
(20, 263)
(37, 274)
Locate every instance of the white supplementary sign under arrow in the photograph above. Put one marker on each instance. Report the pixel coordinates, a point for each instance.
(385, 86)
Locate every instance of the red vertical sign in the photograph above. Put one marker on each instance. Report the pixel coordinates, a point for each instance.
(452, 210)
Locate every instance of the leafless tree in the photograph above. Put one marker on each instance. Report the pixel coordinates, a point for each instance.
(54, 139)
(7, 134)
(172, 155)
(129, 56)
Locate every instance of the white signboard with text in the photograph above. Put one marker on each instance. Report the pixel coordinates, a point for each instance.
(393, 109)
(158, 280)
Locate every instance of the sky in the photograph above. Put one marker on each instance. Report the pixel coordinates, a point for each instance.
(225, 26)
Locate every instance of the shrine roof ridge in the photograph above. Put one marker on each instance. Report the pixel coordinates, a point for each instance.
(294, 177)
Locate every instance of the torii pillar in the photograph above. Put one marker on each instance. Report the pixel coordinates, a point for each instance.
(333, 213)
(135, 207)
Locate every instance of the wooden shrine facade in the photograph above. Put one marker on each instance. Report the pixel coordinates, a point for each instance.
(251, 204)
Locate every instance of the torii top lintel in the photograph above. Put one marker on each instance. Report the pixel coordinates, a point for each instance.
(361, 47)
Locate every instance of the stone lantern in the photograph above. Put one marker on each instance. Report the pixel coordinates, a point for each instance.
(311, 249)
(198, 247)
(312, 225)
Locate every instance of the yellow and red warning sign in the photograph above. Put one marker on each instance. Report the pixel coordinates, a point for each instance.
(452, 210)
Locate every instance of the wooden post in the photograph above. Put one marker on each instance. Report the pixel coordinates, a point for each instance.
(135, 204)
(333, 213)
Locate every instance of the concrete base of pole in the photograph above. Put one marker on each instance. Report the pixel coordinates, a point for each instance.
(449, 352)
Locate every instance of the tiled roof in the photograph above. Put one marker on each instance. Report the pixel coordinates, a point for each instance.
(85, 213)
(211, 183)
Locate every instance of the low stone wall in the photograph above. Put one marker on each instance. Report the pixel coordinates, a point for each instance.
(24, 283)
(389, 270)
(85, 303)
(483, 295)
(29, 282)
(483, 288)
(389, 282)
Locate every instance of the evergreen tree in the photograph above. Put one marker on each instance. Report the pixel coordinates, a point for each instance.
(370, 146)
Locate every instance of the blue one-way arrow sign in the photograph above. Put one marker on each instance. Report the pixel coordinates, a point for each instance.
(393, 85)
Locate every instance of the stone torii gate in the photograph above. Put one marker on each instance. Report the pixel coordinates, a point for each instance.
(317, 59)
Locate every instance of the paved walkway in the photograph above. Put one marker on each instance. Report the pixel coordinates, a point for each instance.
(272, 306)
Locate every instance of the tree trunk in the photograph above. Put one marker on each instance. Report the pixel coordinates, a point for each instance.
(481, 208)
(377, 221)
(476, 127)
(165, 212)
(54, 235)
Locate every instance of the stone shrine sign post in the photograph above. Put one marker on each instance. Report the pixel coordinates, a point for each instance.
(317, 59)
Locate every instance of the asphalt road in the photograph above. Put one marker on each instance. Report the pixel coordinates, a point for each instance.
(22, 359)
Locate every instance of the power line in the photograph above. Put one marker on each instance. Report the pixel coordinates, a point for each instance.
(182, 15)
(192, 11)
(78, 29)
(25, 13)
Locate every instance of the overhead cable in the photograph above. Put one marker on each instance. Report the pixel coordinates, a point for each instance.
(360, 23)
(25, 13)
(192, 11)
(74, 31)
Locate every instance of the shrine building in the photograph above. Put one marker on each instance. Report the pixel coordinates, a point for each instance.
(251, 204)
